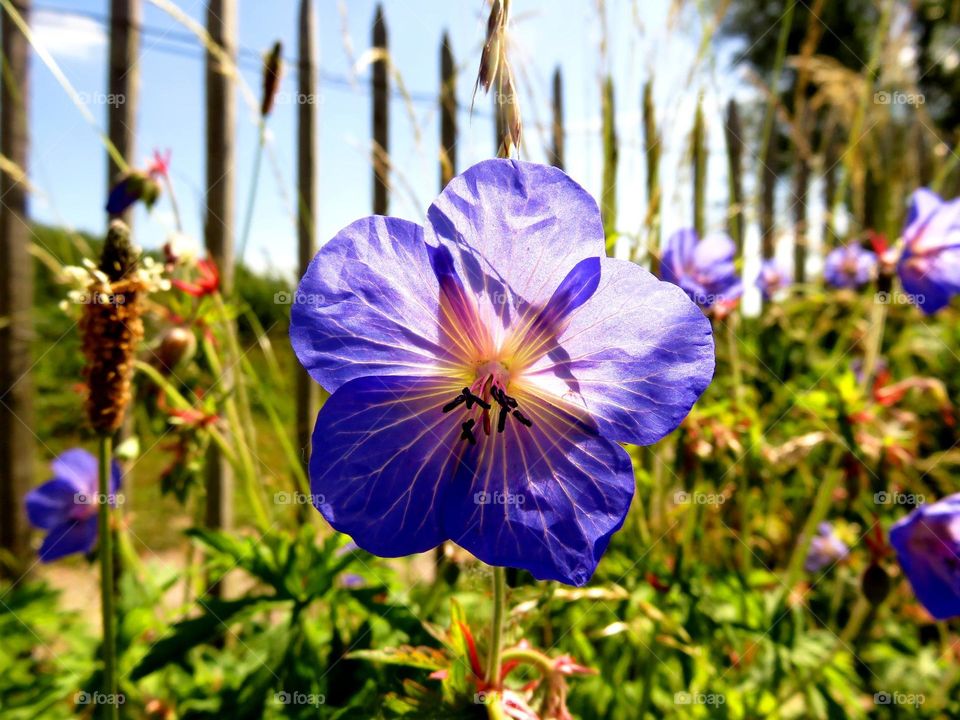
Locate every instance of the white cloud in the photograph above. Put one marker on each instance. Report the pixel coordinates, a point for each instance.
(67, 36)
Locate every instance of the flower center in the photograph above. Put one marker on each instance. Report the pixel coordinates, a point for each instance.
(487, 395)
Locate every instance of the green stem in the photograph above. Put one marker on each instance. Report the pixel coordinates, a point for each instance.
(252, 197)
(494, 659)
(106, 580)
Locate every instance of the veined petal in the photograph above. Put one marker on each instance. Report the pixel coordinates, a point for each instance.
(69, 537)
(927, 542)
(384, 455)
(78, 468)
(514, 229)
(938, 230)
(535, 332)
(545, 498)
(50, 504)
(636, 356)
(369, 304)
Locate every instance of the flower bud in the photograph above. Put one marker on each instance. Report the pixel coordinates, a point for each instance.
(875, 584)
(177, 346)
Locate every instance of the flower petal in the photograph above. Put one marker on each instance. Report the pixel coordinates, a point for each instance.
(384, 454)
(72, 536)
(636, 356)
(515, 230)
(50, 504)
(545, 498)
(923, 204)
(78, 467)
(931, 279)
(927, 542)
(369, 304)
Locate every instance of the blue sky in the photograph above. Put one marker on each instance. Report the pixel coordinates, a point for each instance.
(644, 39)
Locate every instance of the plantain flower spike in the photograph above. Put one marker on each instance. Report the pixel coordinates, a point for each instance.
(111, 327)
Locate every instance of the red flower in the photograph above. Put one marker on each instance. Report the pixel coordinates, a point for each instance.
(207, 283)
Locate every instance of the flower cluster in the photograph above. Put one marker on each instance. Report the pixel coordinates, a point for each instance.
(705, 268)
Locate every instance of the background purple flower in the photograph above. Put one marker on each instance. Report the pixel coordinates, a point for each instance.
(485, 369)
(929, 266)
(772, 278)
(703, 268)
(66, 505)
(927, 542)
(850, 266)
(825, 549)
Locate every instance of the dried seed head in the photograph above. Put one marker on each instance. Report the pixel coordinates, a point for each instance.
(111, 327)
(494, 48)
(272, 71)
(508, 112)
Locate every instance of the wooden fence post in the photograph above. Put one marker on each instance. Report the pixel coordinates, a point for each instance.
(219, 222)
(768, 184)
(699, 155)
(380, 86)
(307, 394)
(448, 113)
(734, 136)
(608, 197)
(651, 151)
(17, 448)
(556, 151)
(122, 87)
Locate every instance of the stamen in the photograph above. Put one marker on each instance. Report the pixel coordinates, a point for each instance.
(474, 399)
(523, 420)
(467, 433)
(502, 419)
(454, 403)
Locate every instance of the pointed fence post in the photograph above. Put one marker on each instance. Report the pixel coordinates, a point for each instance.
(307, 393)
(611, 153)
(556, 150)
(734, 135)
(651, 151)
(122, 86)
(698, 141)
(448, 113)
(17, 446)
(380, 86)
(219, 222)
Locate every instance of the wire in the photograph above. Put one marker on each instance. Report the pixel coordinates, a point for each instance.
(248, 58)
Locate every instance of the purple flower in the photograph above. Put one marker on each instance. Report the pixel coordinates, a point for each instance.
(825, 549)
(850, 266)
(772, 278)
(485, 368)
(929, 266)
(927, 542)
(66, 505)
(704, 269)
